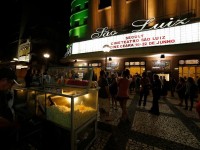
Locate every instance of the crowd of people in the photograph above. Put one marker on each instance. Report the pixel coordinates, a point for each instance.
(116, 88)
(187, 90)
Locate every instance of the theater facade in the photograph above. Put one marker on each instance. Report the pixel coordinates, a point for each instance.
(156, 36)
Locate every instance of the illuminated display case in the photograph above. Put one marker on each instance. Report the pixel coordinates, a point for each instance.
(69, 100)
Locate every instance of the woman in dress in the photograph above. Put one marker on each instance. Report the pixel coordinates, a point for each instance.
(123, 93)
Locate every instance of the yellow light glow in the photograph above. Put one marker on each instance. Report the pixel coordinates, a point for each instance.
(86, 96)
(76, 99)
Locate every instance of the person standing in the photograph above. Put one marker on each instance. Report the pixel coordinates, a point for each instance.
(198, 108)
(198, 84)
(28, 78)
(123, 93)
(113, 91)
(156, 91)
(103, 95)
(180, 89)
(191, 93)
(8, 125)
(164, 90)
(144, 88)
(173, 84)
(137, 83)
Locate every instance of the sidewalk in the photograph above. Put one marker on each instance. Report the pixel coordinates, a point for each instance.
(175, 128)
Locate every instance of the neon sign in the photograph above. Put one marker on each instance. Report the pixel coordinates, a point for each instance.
(171, 23)
(142, 25)
(103, 32)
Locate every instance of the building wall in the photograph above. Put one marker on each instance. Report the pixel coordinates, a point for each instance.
(133, 11)
(118, 14)
(122, 13)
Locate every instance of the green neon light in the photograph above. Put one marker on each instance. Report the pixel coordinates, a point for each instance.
(79, 2)
(78, 18)
(79, 32)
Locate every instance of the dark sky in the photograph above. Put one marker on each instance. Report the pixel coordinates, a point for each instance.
(45, 21)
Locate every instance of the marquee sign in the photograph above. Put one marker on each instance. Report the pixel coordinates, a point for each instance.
(170, 33)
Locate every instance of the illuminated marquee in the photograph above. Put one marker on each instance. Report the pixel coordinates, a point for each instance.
(186, 33)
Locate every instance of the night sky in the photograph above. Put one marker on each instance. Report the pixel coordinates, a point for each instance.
(46, 22)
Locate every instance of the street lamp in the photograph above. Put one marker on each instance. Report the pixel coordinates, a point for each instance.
(46, 56)
(106, 49)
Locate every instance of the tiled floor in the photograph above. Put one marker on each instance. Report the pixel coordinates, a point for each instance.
(175, 128)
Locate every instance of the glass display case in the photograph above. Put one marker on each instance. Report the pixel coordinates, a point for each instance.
(68, 99)
(73, 106)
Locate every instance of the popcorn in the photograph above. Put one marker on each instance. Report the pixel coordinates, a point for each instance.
(62, 115)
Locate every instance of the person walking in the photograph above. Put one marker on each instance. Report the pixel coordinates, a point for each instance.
(144, 88)
(156, 91)
(123, 93)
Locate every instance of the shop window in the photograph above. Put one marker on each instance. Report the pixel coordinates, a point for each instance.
(104, 4)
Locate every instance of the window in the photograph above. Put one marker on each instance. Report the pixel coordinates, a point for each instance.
(77, 8)
(104, 4)
(76, 23)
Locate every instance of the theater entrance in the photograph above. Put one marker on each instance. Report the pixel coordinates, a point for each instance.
(136, 69)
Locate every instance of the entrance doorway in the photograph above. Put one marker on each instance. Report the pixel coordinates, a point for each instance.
(164, 76)
(136, 69)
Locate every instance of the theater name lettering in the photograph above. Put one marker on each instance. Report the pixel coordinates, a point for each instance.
(141, 25)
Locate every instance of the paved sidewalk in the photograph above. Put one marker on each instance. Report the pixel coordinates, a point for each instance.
(175, 128)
